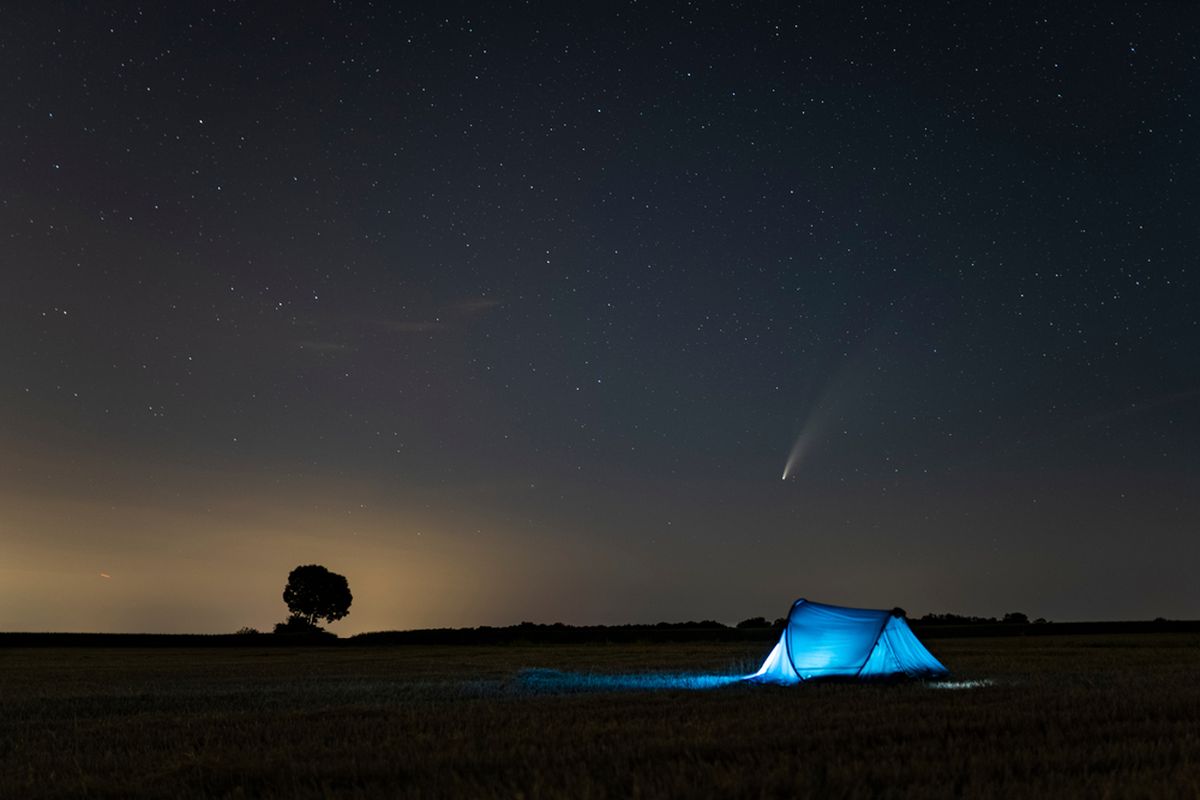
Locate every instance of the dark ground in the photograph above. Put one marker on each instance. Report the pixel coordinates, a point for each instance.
(1088, 716)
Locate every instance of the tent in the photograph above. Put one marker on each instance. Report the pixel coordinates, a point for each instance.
(821, 641)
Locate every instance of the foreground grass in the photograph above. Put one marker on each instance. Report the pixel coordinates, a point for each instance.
(1115, 716)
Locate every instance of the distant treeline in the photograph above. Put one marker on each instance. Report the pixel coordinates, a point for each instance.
(161, 640)
(558, 633)
(937, 626)
(931, 626)
(1011, 618)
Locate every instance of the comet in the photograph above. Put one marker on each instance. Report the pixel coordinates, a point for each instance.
(815, 427)
(843, 394)
(105, 575)
(796, 455)
(840, 395)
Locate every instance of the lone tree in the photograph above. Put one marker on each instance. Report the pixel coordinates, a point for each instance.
(314, 593)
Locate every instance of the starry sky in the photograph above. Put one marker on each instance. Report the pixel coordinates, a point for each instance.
(517, 311)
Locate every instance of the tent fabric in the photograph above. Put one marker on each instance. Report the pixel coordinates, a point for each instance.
(822, 641)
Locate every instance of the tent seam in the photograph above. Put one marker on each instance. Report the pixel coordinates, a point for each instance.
(787, 637)
(882, 628)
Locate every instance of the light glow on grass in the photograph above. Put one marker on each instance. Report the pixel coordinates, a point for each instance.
(552, 680)
(959, 684)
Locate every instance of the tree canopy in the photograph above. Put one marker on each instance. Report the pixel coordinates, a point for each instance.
(313, 593)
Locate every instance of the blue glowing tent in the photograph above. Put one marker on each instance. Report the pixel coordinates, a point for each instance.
(821, 641)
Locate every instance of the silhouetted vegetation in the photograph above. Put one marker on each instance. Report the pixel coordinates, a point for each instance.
(754, 622)
(1011, 618)
(954, 619)
(295, 625)
(558, 633)
(314, 593)
(930, 627)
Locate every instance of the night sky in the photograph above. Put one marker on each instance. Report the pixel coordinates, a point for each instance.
(517, 312)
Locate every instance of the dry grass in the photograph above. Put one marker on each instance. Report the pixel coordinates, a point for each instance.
(1115, 716)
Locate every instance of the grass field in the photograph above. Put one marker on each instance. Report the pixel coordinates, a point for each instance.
(1086, 716)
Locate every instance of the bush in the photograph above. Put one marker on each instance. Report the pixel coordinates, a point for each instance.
(297, 625)
(754, 622)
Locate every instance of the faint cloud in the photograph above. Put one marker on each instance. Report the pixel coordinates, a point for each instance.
(1142, 406)
(469, 307)
(410, 326)
(473, 305)
(322, 347)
